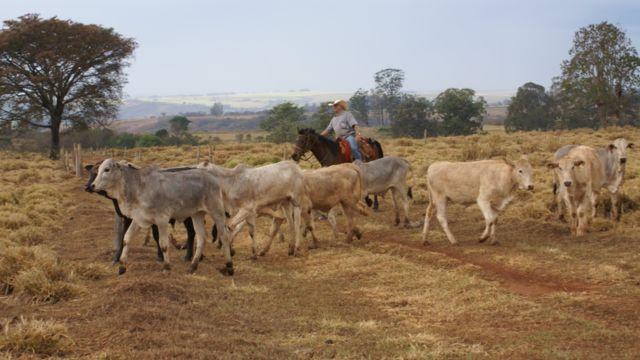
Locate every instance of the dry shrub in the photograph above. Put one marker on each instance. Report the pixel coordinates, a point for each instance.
(11, 164)
(553, 143)
(30, 235)
(12, 220)
(474, 151)
(35, 272)
(39, 337)
(403, 142)
(92, 271)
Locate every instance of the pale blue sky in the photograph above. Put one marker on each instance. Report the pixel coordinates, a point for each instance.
(217, 46)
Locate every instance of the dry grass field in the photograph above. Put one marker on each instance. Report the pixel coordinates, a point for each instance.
(539, 294)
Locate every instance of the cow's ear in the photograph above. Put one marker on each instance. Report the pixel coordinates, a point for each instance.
(611, 147)
(88, 167)
(552, 165)
(578, 162)
(630, 146)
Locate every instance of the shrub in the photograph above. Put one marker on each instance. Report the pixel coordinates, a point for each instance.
(44, 338)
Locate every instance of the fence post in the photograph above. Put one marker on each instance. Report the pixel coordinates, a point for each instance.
(198, 155)
(210, 154)
(425, 136)
(78, 158)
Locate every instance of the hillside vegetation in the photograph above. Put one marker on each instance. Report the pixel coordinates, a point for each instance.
(540, 294)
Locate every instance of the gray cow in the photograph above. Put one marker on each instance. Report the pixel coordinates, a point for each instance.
(613, 159)
(389, 174)
(149, 196)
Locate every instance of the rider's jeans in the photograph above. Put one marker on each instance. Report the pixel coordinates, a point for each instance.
(354, 147)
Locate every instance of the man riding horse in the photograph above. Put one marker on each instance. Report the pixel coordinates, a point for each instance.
(345, 127)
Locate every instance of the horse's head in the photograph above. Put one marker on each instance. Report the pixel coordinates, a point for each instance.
(306, 140)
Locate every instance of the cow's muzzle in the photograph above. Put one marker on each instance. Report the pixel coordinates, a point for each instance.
(567, 183)
(90, 188)
(623, 161)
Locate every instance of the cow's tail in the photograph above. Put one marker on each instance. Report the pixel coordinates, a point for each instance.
(410, 193)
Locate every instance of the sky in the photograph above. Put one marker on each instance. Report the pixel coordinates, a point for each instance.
(199, 47)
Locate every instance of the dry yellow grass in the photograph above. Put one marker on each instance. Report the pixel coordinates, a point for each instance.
(540, 294)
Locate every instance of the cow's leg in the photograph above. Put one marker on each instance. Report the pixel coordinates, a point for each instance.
(297, 229)
(122, 225)
(307, 219)
(331, 217)
(128, 236)
(583, 218)
(147, 235)
(489, 219)
(191, 235)
(594, 203)
(201, 236)
(615, 203)
(396, 208)
(441, 214)
(404, 201)
(428, 214)
(163, 231)
(216, 211)
(251, 226)
(156, 238)
(275, 229)
(348, 214)
(558, 196)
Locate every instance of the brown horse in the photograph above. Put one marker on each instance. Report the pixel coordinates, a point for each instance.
(328, 152)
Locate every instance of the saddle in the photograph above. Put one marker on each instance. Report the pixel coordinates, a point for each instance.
(367, 150)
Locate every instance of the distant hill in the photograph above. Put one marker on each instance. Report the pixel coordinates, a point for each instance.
(198, 123)
(136, 109)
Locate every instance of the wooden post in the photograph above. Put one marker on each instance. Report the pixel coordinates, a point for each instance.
(210, 154)
(425, 136)
(78, 158)
(198, 155)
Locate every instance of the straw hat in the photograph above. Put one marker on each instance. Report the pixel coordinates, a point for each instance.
(342, 104)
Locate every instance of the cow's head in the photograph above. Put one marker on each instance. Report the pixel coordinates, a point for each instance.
(93, 172)
(523, 172)
(619, 148)
(108, 176)
(566, 168)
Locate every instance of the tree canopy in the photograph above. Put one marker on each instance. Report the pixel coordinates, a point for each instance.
(461, 114)
(601, 78)
(55, 72)
(412, 117)
(530, 109)
(282, 122)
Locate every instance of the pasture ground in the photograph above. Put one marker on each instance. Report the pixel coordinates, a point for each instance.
(539, 294)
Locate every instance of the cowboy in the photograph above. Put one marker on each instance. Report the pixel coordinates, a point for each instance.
(345, 126)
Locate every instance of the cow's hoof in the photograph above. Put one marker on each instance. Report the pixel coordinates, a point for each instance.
(312, 246)
(166, 267)
(494, 243)
(187, 257)
(227, 270)
(426, 243)
(192, 268)
(233, 252)
(357, 233)
(122, 269)
(396, 222)
(159, 258)
(483, 239)
(262, 253)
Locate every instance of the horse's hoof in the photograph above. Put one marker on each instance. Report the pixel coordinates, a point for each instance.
(122, 269)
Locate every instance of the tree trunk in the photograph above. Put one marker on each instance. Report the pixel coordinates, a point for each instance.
(54, 152)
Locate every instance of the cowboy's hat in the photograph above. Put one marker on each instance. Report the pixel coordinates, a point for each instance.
(342, 104)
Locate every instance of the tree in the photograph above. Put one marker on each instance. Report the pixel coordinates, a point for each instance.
(530, 109)
(359, 103)
(321, 118)
(412, 117)
(148, 140)
(282, 122)
(162, 133)
(460, 113)
(603, 71)
(217, 109)
(388, 85)
(179, 125)
(55, 72)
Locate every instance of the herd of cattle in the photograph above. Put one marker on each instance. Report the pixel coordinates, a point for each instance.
(156, 198)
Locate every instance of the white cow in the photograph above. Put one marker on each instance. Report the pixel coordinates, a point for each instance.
(491, 184)
(150, 196)
(613, 159)
(580, 177)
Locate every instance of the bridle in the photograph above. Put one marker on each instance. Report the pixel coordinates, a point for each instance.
(307, 145)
